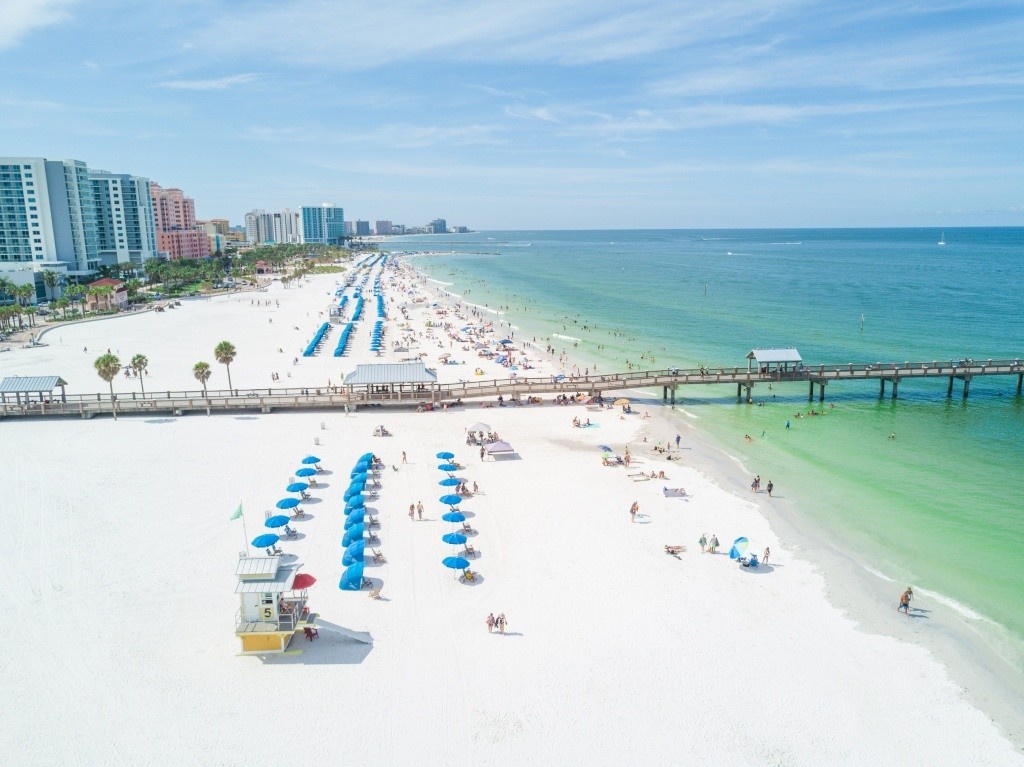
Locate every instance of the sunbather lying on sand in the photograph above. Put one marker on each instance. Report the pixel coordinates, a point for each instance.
(674, 550)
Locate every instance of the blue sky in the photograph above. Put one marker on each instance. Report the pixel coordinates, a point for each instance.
(536, 113)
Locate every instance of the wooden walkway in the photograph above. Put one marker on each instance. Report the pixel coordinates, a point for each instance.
(409, 396)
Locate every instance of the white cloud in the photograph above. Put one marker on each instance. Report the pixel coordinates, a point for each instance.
(19, 17)
(217, 84)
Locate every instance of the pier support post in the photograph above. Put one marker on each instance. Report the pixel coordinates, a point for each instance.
(821, 391)
(881, 388)
(739, 392)
(1020, 380)
(949, 389)
(664, 394)
(810, 392)
(673, 394)
(895, 387)
(967, 385)
(750, 389)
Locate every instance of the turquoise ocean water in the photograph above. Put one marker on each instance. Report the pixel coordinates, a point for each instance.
(939, 505)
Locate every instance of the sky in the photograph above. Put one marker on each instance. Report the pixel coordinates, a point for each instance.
(536, 114)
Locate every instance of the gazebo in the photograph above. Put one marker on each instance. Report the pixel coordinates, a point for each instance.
(29, 385)
(501, 449)
(773, 360)
(392, 378)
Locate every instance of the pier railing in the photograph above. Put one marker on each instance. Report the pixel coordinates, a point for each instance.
(513, 387)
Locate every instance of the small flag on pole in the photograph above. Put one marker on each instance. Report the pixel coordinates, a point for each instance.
(238, 512)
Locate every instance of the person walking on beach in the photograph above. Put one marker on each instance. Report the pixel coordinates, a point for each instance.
(769, 488)
(419, 510)
(412, 510)
(633, 510)
(404, 460)
(482, 451)
(703, 541)
(764, 559)
(490, 622)
(905, 598)
(501, 623)
(713, 547)
(678, 438)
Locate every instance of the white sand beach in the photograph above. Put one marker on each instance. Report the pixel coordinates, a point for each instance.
(120, 645)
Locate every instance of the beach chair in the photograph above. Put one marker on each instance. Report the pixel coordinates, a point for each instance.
(466, 528)
(310, 632)
(470, 551)
(378, 556)
(468, 576)
(372, 522)
(375, 593)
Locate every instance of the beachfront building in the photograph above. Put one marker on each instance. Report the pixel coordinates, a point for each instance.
(362, 228)
(382, 227)
(126, 228)
(175, 218)
(106, 293)
(324, 224)
(272, 610)
(262, 227)
(438, 226)
(47, 215)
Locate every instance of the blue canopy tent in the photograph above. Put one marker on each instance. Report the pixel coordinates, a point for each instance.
(354, 533)
(352, 578)
(353, 553)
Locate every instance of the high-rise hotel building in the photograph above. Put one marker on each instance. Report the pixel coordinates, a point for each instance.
(125, 222)
(175, 217)
(47, 215)
(323, 224)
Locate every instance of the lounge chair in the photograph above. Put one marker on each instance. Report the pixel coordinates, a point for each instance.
(468, 576)
(372, 522)
(674, 492)
(305, 496)
(371, 537)
(366, 583)
(470, 551)
(375, 593)
(378, 556)
(273, 550)
(466, 528)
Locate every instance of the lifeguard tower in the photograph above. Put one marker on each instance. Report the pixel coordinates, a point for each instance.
(272, 609)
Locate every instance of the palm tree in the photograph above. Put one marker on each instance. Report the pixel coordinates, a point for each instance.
(225, 354)
(108, 366)
(51, 280)
(62, 304)
(201, 370)
(139, 364)
(25, 293)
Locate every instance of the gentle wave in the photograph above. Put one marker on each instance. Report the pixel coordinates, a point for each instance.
(567, 338)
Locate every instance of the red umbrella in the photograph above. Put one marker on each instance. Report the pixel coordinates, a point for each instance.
(303, 581)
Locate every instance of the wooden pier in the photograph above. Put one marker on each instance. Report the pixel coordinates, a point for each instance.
(337, 398)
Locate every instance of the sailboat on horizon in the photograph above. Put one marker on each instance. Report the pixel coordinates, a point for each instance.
(942, 239)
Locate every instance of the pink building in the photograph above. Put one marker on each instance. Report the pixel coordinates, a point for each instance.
(175, 217)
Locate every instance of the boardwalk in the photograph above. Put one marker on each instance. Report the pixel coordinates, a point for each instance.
(668, 380)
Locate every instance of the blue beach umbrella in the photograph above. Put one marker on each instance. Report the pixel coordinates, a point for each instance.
(309, 460)
(305, 472)
(604, 448)
(353, 490)
(267, 539)
(354, 518)
(287, 503)
(354, 533)
(454, 516)
(352, 578)
(446, 456)
(739, 548)
(358, 476)
(451, 500)
(355, 502)
(450, 482)
(362, 467)
(279, 520)
(366, 457)
(297, 487)
(456, 539)
(455, 563)
(448, 467)
(354, 553)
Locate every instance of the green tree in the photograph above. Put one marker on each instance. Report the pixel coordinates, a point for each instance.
(108, 366)
(51, 279)
(139, 364)
(225, 354)
(201, 370)
(62, 304)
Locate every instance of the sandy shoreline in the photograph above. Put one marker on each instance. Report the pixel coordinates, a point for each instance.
(618, 653)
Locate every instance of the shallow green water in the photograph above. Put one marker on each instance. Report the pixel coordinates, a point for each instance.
(936, 506)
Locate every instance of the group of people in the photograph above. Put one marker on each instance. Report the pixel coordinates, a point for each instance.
(755, 486)
(577, 423)
(709, 546)
(500, 623)
(416, 509)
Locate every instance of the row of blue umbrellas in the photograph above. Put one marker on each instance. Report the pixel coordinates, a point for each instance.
(280, 520)
(353, 557)
(454, 516)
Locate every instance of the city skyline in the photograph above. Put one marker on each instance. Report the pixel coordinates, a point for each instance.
(542, 115)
